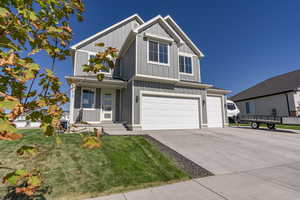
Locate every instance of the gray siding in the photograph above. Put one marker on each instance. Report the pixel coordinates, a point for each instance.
(162, 87)
(127, 65)
(118, 103)
(86, 115)
(145, 68)
(265, 105)
(81, 58)
(115, 38)
(126, 103)
(185, 48)
(196, 72)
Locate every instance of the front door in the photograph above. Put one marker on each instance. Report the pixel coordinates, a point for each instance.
(107, 102)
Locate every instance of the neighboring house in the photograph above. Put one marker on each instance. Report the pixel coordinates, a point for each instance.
(156, 82)
(278, 96)
(21, 121)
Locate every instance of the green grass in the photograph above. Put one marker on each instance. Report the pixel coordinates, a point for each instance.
(72, 172)
(291, 127)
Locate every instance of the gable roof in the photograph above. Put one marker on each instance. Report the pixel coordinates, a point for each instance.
(163, 23)
(275, 85)
(135, 16)
(189, 42)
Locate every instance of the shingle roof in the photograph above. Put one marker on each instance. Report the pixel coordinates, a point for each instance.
(278, 84)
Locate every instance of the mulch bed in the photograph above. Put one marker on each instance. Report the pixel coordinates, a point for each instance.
(188, 166)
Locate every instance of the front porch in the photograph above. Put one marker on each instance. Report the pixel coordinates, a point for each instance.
(95, 103)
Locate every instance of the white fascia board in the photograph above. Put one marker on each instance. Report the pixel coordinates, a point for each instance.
(165, 24)
(142, 77)
(200, 54)
(158, 37)
(141, 21)
(218, 91)
(196, 85)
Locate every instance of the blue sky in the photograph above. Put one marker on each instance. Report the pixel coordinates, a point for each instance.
(244, 41)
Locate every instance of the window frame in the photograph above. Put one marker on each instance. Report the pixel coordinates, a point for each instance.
(192, 63)
(247, 105)
(94, 54)
(148, 51)
(94, 103)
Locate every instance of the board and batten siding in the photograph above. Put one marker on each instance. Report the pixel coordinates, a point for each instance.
(127, 63)
(86, 115)
(114, 38)
(163, 87)
(196, 71)
(126, 103)
(145, 68)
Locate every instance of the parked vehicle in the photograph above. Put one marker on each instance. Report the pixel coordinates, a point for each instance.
(232, 111)
(270, 121)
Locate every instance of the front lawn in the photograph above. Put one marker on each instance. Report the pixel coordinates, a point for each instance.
(72, 172)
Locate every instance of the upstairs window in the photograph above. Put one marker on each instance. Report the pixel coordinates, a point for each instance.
(158, 52)
(88, 98)
(185, 65)
(108, 71)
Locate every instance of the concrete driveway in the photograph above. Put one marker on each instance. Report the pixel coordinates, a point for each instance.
(231, 150)
(248, 164)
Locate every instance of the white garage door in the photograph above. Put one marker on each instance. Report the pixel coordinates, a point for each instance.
(214, 111)
(160, 112)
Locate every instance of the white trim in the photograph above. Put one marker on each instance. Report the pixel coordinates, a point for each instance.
(158, 63)
(220, 91)
(91, 89)
(141, 21)
(159, 18)
(136, 58)
(158, 37)
(113, 109)
(72, 101)
(132, 102)
(75, 63)
(86, 51)
(192, 84)
(153, 78)
(192, 62)
(186, 54)
(169, 94)
(199, 71)
(200, 54)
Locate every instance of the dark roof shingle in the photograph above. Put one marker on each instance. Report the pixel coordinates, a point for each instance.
(278, 84)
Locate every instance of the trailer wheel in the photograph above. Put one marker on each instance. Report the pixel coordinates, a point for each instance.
(271, 126)
(254, 125)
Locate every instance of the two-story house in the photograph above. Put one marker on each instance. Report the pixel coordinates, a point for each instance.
(156, 82)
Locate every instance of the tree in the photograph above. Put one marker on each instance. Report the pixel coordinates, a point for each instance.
(29, 27)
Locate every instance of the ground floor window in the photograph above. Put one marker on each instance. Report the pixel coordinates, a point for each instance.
(88, 98)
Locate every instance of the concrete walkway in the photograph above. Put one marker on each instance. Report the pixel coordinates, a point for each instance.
(249, 164)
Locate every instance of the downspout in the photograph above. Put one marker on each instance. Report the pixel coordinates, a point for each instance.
(288, 103)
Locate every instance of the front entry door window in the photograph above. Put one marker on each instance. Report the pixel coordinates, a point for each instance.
(107, 105)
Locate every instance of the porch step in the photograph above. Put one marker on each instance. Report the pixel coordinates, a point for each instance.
(114, 127)
(108, 127)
